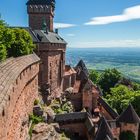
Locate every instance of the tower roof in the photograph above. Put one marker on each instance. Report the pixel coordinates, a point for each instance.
(82, 71)
(129, 116)
(104, 131)
(41, 2)
(82, 66)
(111, 112)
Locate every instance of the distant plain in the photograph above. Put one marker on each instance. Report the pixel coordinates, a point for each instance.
(126, 60)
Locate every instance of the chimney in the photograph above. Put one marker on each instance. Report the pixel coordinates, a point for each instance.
(56, 31)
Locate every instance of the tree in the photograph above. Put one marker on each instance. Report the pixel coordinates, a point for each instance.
(127, 135)
(14, 42)
(108, 79)
(94, 76)
(22, 44)
(125, 81)
(136, 86)
(121, 96)
(136, 103)
(3, 52)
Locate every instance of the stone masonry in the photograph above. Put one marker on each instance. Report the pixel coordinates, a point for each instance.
(18, 90)
(53, 65)
(50, 46)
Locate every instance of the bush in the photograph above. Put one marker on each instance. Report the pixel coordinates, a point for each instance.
(36, 102)
(3, 52)
(136, 103)
(61, 108)
(22, 44)
(35, 119)
(108, 79)
(14, 42)
(94, 76)
(127, 135)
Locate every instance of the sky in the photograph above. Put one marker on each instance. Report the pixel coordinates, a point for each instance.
(86, 23)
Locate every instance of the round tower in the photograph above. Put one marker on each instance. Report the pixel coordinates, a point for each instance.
(129, 121)
(38, 10)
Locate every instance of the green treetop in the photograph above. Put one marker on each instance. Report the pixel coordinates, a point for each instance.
(14, 42)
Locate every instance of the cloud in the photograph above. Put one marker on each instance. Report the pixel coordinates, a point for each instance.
(63, 25)
(130, 13)
(71, 35)
(108, 44)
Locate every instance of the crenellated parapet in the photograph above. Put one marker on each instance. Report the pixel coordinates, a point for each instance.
(42, 9)
(18, 90)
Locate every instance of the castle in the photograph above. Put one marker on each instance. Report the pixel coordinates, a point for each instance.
(20, 78)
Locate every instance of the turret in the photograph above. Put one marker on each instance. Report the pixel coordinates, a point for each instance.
(40, 10)
(129, 121)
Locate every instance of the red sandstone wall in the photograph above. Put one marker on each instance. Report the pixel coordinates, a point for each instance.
(36, 21)
(52, 66)
(75, 128)
(76, 100)
(69, 81)
(87, 100)
(37, 14)
(21, 83)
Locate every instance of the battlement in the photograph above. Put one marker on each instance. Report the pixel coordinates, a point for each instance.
(18, 90)
(44, 9)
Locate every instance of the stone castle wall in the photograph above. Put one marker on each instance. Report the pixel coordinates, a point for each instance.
(38, 14)
(38, 19)
(52, 66)
(18, 90)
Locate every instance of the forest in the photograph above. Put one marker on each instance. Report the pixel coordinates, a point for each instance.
(117, 90)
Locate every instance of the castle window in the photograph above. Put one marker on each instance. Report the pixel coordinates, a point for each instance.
(13, 89)
(16, 81)
(50, 64)
(50, 74)
(3, 113)
(30, 67)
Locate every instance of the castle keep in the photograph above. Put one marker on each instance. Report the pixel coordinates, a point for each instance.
(20, 78)
(50, 46)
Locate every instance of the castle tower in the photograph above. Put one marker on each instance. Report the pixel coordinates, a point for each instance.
(50, 46)
(104, 131)
(40, 10)
(129, 121)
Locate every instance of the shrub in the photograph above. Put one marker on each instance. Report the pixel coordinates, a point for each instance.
(35, 119)
(108, 79)
(127, 135)
(36, 102)
(3, 52)
(14, 42)
(22, 44)
(94, 76)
